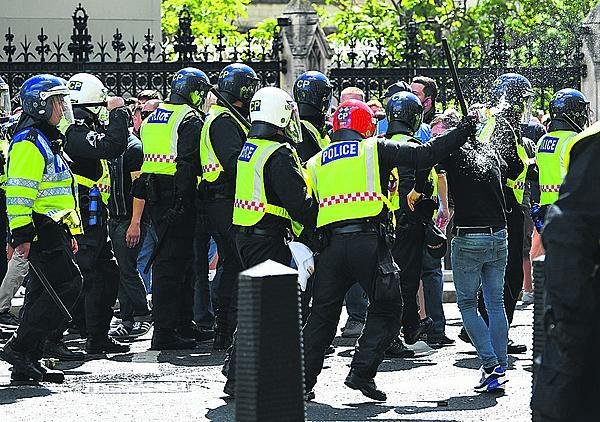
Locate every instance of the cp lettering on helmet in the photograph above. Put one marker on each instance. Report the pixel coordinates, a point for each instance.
(302, 84)
(75, 85)
(160, 116)
(224, 74)
(247, 152)
(343, 114)
(339, 150)
(255, 105)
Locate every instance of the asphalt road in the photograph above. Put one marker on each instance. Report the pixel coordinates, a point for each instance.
(149, 386)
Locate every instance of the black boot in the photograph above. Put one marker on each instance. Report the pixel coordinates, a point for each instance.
(59, 350)
(365, 386)
(223, 331)
(412, 334)
(229, 388)
(167, 339)
(104, 344)
(20, 361)
(49, 375)
(398, 350)
(192, 330)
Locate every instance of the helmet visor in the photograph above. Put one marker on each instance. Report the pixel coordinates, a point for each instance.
(66, 110)
(5, 108)
(293, 130)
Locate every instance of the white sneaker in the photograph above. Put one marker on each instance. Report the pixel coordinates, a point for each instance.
(527, 298)
(493, 381)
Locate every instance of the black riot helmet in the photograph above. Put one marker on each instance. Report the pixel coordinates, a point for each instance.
(512, 94)
(238, 82)
(190, 85)
(404, 113)
(312, 93)
(399, 86)
(572, 103)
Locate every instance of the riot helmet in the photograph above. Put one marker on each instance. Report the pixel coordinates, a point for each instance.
(312, 92)
(513, 94)
(571, 103)
(238, 82)
(354, 115)
(42, 95)
(271, 110)
(404, 113)
(191, 86)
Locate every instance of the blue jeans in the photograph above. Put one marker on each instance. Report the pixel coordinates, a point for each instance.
(150, 241)
(480, 260)
(356, 303)
(433, 291)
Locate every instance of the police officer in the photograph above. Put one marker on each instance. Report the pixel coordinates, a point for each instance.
(350, 179)
(405, 115)
(565, 387)
(43, 215)
(271, 195)
(221, 141)
(567, 107)
(312, 93)
(100, 133)
(170, 139)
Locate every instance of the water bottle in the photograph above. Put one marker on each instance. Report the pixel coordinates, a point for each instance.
(93, 205)
(536, 216)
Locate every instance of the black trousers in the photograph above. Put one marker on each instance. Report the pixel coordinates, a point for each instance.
(408, 254)
(253, 250)
(51, 254)
(348, 259)
(513, 277)
(220, 216)
(173, 277)
(100, 272)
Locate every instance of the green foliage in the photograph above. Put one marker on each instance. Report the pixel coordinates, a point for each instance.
(209, 17)
(533, 27)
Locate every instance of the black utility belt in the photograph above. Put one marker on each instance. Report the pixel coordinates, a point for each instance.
(353, 228)
(490, 230)
(260, 232)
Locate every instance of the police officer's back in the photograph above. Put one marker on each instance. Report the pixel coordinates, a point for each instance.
(350, 179)
(170, 139)
(221, 141)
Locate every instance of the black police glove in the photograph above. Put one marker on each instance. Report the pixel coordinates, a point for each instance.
(468, 124)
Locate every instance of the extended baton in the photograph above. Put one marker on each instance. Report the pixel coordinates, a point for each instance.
(572, 123)
(459, 93)
(51, 292)
(82, 105)
(231, 108)
(156, 250)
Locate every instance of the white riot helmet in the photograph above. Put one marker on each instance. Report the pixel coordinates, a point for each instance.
(276, 108)
(86, 88)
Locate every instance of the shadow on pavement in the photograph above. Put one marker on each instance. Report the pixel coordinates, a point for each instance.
(316, 411)
(475, 363)
(11, 394)
(392, 365)
(474, 402)
(223, 413)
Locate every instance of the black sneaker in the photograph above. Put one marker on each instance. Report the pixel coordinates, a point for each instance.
(103, 345)
(140, 328)
(193, 331)
(412, 334)
(121, 331)
(59, 350)
(20, 361)
(398, 350)
(168, 340)
(49, 375)
(365, 386)
(8, 320)
(439, 341)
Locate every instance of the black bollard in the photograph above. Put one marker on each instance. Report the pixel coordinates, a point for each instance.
(270, 369)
